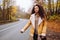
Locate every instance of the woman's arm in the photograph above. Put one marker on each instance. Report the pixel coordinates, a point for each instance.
(26, 26)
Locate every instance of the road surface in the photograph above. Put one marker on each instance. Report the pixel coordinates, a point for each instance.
(11, 31)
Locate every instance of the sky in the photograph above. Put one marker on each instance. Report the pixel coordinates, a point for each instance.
(0, 1)
(24, 4)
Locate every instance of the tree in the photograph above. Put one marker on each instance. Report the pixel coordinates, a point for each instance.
(6, 4)
(0, 13)
(49, 6)
(7, 7)
(13, 11)
(57, 6)
(53, 7)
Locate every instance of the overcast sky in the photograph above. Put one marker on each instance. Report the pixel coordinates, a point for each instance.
(24, 4)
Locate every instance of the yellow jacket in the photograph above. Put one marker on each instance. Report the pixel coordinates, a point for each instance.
(42, 25)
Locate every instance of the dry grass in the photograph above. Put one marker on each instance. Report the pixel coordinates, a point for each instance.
(54, 25)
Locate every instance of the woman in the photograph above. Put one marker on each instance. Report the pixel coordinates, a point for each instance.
(38, 23)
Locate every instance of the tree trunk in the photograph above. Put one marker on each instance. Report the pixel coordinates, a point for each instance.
(49, 6)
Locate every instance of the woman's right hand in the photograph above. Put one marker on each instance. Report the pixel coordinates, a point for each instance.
(22, 31)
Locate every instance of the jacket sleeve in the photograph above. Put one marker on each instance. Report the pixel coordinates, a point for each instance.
(44, 27)
(27, 25)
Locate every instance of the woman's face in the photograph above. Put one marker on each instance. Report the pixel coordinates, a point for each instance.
(36, 9)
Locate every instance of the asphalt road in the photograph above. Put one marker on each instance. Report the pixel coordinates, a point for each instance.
(11, 31)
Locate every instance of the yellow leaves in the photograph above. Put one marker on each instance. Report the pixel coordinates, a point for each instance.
(13, 12)
(13, 9)
(13, 18)
(45, 6)
(1, 5)
(7, 0)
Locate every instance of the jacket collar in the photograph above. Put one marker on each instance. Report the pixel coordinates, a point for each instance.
(33, 20)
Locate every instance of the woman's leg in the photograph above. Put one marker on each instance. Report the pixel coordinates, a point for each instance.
(35, 37)
(43, 37)
(39, 38)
